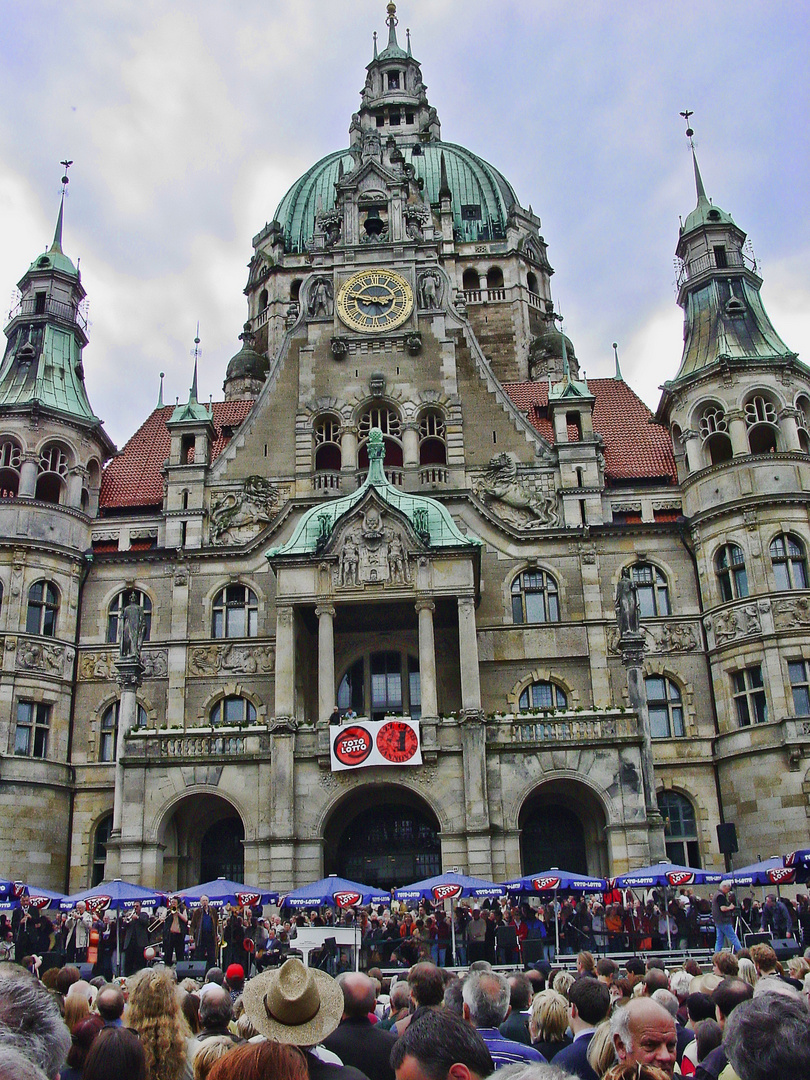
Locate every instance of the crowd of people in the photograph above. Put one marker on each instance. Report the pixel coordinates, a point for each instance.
(745, 1019)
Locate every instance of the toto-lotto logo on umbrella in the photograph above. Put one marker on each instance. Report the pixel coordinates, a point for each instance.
(680, 877)
(97, 904)
(347, 899)
(18, 888)
(39, 902)
(247, 899)
(781, 875)
(353, 745)
(546, 884)
(446, 892)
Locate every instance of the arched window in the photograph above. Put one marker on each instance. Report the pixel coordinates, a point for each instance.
(108, 736)
(233, 711)
(653, 590)
(714, 432)
(116, 609)
(535, 597)
(789, 562)
(680, 829)
(235, 612)
(760, 418)
(542, 695)
(665, 707)
(102, 835)
(43, 608)
(10, 464)
(264, 297)
(531, 281)
(729, 563)
(470, 281)
(494, 277)
(393, 687)
(803, 422)
(295, 290)
(327, 434)
(53, 469)
(432, 439)
(384, 418)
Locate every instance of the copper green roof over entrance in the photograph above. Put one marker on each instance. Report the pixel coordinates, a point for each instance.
(430, 520)
(482, 196)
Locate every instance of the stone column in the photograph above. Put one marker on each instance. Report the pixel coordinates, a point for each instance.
(410, 444)
(427, 658)
(285, 662)
(738, 432)
(326, 662)
(468, 655)
(632, 646)
(129, 676)
(694, 452)
(28, 476)
(348, 449)
(789, 427)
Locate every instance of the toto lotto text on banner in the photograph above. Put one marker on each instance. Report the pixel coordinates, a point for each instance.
(392, 741)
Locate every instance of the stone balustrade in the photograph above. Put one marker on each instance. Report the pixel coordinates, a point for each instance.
(198, 743)
(565, 727)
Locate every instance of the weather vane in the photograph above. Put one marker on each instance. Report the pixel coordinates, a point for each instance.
(689, 131)
(65, 178)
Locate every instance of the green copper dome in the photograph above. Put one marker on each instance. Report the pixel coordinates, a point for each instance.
(482, 197)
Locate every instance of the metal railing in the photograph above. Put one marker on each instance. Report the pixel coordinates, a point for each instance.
(708, 261)
(47, 305)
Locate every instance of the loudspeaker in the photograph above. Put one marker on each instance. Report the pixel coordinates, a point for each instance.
(532, 950)
(727, 838)
(85, 971)
(785, 948)
(52, 960)
(764, 938)
(190, 969)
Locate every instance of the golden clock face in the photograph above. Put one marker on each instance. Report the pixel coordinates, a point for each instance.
(375, 300)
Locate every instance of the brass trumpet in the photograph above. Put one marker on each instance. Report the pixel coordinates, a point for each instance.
(155, 923)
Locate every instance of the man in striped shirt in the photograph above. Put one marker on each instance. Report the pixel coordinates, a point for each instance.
(486, 1006)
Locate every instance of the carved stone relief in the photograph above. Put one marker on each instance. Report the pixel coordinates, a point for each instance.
(320, 304)
(372, 554)
(514, 499)
(241, 659)
(788, 614)
(236, 516)
(47, 659)
(735, 623)
(101, 665)
(669, 638)
(429, 289)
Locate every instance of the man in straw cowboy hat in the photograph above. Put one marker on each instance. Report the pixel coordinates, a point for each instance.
(299, 1006)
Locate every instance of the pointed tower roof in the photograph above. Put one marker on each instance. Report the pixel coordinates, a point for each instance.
(705, 212)
(430, 520)
(192, 412)
(392, 51)
(54, 258)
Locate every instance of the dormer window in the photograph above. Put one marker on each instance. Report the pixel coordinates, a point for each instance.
(393, 80)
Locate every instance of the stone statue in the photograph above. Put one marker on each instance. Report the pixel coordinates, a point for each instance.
(429, 285)
(133, 629)
(397, 567)
(320, 299)
(349, 563)
(627, 609)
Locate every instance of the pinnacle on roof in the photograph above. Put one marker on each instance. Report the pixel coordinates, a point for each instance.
(705, 212)
(618, 374)
(192, 411)
(392, 51)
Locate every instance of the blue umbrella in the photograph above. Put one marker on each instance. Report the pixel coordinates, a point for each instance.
(798, 858)
(449, 886)
(116, 895)
(39, 898)
(221, 892)
(334, 891)
(10, 891)
(768, 872)
(552, 881)
(666, 874)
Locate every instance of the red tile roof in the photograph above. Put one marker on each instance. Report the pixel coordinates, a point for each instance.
(134, 478)
(635, 448)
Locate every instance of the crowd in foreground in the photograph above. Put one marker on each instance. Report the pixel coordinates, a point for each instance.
(745, 1019)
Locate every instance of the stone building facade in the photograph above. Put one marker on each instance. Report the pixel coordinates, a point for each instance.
(408, 503)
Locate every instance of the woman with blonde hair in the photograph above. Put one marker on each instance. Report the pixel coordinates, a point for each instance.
(601, 1055)
(548, 1023)
(77, 1008)
(747, 971)
(154, 1013)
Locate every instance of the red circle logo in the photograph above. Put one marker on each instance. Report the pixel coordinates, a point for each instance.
(397, 742)
(352, 745)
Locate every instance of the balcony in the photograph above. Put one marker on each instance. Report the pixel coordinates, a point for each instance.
(209, 743)
(483, 296)
(326, 481)
(47, 305)
(557, 727)
(706, 262)
(433, 474)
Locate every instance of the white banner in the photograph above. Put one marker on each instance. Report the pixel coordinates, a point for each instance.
(360, 743)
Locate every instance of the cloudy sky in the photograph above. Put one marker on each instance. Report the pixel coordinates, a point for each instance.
(187, 122)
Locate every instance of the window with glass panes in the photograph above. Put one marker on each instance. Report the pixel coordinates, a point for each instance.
(116, 609)
(731, 573)
(665, 706)
(31, 734)
(232, 711)
(108, 734)
(749, 696)
(236, 613)
(386, 684)
(43, 607)
(680, 829)
(800, 685)
(652, 589)
(535, 598)
(542, 695)
(789, 563)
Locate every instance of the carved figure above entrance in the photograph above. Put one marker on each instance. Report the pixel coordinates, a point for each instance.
(372, 553)
(514, 499)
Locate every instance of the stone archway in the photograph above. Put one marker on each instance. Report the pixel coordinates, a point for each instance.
(203, 839)
(382, 835)
(563, 824)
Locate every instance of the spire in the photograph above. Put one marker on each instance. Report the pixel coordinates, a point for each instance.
(408, 37)
(444, 185)
(160, 392)
(193, 391)
(375, 44)
(701, 191)
(392, 21)
(56, 246)
(618, 375)
(192, 411)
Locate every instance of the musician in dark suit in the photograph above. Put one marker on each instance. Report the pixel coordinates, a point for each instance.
(136, 938)
(205, 930)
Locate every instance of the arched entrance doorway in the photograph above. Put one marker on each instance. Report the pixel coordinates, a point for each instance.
(203, 839)
(562, 824)
(382, 836)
